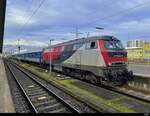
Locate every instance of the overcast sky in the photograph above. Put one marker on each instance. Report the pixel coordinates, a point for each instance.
(125, 19)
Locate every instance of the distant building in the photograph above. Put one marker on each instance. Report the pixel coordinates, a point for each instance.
(138, 49)
(135, 43)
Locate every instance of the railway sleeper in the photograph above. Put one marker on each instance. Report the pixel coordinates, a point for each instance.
(51, 107)
(37, 94)
(46, 103)
(40, 96)
(61, 110)
(35, 91)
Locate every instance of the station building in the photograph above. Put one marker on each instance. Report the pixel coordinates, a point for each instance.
(138, 49)
(147, 50)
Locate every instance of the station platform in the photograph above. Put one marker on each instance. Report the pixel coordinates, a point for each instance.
(6, 103)
(140, 70)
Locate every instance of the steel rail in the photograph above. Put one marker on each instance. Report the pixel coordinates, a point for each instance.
(26, 96)
(69, 106)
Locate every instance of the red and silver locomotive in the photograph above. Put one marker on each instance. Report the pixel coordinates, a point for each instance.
(98, 59)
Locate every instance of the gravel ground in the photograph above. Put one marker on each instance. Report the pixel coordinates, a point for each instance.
(79, 105)
(20, 104)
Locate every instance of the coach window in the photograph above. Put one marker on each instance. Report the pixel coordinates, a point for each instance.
(51, 49)
(69, 48)
(74, 47)
(77, 46)
(63, 48)
(87, 46)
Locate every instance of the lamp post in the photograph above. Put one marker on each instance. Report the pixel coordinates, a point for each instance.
(99, 28)
(50, 62)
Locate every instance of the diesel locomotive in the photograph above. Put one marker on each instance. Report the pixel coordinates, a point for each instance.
(99, 59)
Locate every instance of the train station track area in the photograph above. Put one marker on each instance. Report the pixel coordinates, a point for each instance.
(99, 98)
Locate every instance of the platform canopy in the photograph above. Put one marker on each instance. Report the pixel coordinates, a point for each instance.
(2, 22)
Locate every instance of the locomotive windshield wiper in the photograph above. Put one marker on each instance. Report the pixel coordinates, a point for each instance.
(113, 44)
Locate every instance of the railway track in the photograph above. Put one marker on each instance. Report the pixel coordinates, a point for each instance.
(40, 98)
(117, 90)
(124, 90)
(120, 89)
(130, 93)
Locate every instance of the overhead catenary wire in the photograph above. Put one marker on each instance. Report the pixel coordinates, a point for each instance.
(28, 9)
(121, 12)
(103, 18)
(33, 13)
(36, 10)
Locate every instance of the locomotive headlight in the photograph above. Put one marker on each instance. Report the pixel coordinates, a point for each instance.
(109, 63)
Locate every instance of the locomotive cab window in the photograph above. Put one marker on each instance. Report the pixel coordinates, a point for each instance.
(91, 45)
(113, 44)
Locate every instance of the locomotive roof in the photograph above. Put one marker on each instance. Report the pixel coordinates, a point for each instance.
(80, 40)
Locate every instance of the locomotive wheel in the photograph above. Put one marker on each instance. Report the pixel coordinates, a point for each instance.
(91, 78)
(83, 76)
(101, 80)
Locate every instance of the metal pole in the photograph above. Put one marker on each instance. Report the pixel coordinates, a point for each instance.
(19, 49)
(148, 60)
(50, 59)
(77, 33)
(50, 63)
(99, 28)
(88, 34)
